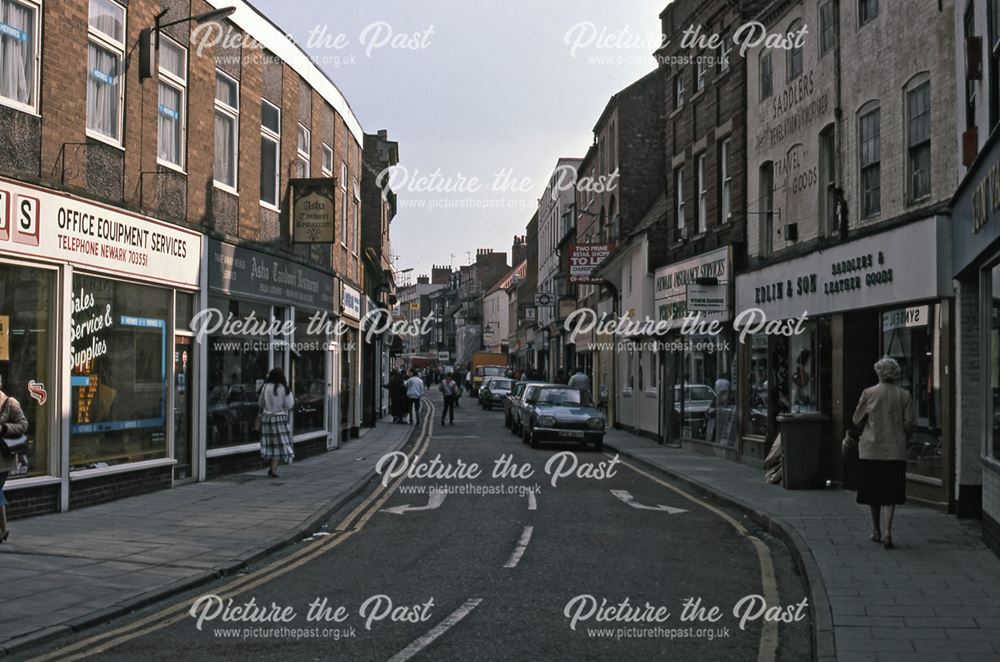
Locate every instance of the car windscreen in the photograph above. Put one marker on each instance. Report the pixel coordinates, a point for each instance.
(501, 384)
(563, 396)
(692, 393)
(492, 371)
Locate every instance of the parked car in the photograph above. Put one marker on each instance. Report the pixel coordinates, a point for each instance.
(494, 391)
(561, 413)
(517, 408)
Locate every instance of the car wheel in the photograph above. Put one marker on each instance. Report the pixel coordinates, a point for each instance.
(489, 406)
(524, 434)
(599, 445)
(533, 438)
(506, 421)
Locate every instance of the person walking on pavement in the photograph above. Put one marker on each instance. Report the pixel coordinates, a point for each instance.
(12, 423)
(450, 391)
(399, 404)
(885, 416)
(579, 380)
(414, 391)
(276, 401)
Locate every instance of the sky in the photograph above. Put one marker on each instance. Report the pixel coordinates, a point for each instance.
(483, 97)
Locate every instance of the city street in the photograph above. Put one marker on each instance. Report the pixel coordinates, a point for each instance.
(491, 576)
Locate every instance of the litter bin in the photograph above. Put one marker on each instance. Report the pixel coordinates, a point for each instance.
(801, 446)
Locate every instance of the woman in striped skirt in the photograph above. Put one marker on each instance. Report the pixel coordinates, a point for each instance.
(276, 401)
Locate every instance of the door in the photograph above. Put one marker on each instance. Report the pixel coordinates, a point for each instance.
(183, 381)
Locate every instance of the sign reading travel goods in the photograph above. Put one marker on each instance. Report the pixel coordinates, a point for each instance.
(584, 258)
(313, 219)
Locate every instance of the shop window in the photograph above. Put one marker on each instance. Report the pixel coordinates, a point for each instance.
(918, 124)
(993, 447)
(303, 144)
(270, 153)
(912, 336)
(118, 355)
(170, 119)
(309, 377)
(766, 75)
(19, 54)
(26, 359)
(227, 123)
(867, 10)
(704, 395)
(105, 69)
(757, 413)
(827, 25)
(794, 61)
(803, 377)
(869, 138)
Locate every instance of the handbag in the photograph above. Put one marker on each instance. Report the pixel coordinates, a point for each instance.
(850, 443)
(12, 445)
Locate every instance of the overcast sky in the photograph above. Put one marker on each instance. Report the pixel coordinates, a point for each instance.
(490, 87)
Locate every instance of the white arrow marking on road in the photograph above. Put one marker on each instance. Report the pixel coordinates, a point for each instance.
(532, 501)
(522, 545)
(630, 500)
(442, 627)
(435, 501)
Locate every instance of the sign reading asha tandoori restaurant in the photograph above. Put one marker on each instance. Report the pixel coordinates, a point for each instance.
(41, 223)
(313, 220)
(234, 270)
(583, 258)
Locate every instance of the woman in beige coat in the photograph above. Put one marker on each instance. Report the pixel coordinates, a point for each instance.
(12, 423)
(885, 416)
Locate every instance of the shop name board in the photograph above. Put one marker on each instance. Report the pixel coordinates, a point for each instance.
(351, 302)
(905, 318)
(313, 219)
(675, 278)
(39, 223)
(700, 284)
(986, 198)
(584, 258)
(240, 271)
(843, 279)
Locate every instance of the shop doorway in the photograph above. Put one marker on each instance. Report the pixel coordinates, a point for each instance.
(183, 400)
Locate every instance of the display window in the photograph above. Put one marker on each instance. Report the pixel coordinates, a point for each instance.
(309, 377)
(705, 395)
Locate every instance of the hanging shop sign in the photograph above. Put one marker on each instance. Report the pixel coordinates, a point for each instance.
(698, 285)
(235, 271)
(40, 223)
(584, 258)
(351, 302)
(313, 220)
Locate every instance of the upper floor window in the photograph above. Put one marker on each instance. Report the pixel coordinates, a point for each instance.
(18, 54)
(227, 122)
(171, 124)
(766, 75)
(869, 130)
(827, 25)
(344, 215)
(994, 53)
(679, 90)
(918, 119)
(679, 195)
(867, 10)
(702, 196)
(726, 177)
(794, 63)
(766, 215)
(725, 52)
(302, 162)
(702, 70)
(356, 216)
(327, 160)
(105, 69)
(270, 153)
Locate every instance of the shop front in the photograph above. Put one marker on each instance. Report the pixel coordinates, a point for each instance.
(810, 329)
(94, 302)
(350, 362)
(697, 362)
(287, 321)
(976, 264)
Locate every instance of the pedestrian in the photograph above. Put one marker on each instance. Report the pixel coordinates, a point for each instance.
(561, 376)
(579, 380)
(450, 391)
(276, 401)
(885, 417)
(414, 391)
(13, 423)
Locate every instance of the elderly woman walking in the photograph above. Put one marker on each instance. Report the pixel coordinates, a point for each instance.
(12, 423)
(276, 401)
(885, 416)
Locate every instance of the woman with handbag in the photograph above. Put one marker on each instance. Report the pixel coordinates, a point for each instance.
(885, 416)
(13, 423)
(276, 401)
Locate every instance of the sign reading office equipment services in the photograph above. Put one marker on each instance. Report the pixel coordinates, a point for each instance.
(40, 223)
(235, 271)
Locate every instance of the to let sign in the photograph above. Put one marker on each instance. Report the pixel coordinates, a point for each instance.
(583, 258)
(313, 220)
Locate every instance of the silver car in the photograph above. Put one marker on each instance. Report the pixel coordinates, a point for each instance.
(561, 413)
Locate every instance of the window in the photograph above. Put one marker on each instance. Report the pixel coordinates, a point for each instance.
(726, 177)
(969, 30)
(766, 196)
(105, 67)
(702, 73)
(270, 151)
(227, 122)
(994, 53)
(345, 230)
(679, 90)
(867, 10)
(679, 194)
(766, 76)
(356, 216)
(868, 135)
(302, 168)
(918, 112)
(702, 196)
(18, 54)
(171, 122)
(827, 25)
(794, 62)
(725, 52)
(327, 160)
(828, 186)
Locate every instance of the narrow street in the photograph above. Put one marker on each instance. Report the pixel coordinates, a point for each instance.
(490, 576)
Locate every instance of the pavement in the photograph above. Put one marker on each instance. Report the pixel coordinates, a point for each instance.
(935, 597)
(63, 572)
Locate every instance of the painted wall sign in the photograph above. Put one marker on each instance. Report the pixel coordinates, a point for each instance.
(313, 220)
(234, 270)
(37, 222)
(351, 302)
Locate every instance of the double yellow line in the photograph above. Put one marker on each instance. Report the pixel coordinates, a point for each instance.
(350, 525)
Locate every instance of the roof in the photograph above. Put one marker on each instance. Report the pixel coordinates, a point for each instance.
(521, 270)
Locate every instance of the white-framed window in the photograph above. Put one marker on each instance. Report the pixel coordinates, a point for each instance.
(344, 208)
(327, 160)
(702, 68)
(702, 196)
(105, 70)
(725, 52)
(302, 162)
(227, 131)
(869, 139)
(766, 75)
(679, 195)
(19, 54)
(171, 120)
(270, 153)
(726, 177)
(679, 90)
(356, 216)
(918, 125)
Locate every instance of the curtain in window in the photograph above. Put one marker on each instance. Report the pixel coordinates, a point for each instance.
(103, 82)
(107, 16)
(169, 125)
(17, 52)
(172, 59)
(225, 147)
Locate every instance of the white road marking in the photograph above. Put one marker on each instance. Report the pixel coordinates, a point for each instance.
(532, 501)
(442, 627)
(522, 545)
(626, 497)
(456, 436)
(435, 501)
